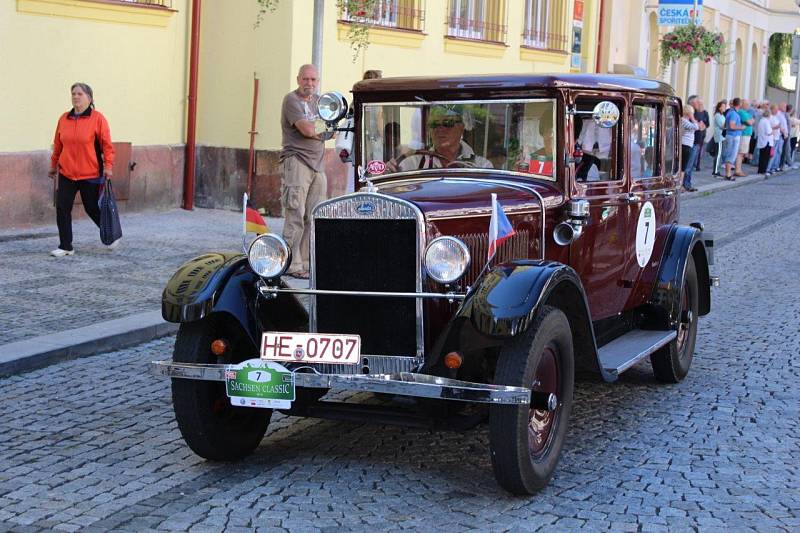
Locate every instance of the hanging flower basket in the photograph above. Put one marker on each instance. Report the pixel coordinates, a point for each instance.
(691, 42)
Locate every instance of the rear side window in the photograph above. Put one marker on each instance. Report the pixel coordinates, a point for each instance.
(645, 142)
(670, 141)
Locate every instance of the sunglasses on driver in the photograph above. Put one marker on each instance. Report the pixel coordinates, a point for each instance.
(444, 123)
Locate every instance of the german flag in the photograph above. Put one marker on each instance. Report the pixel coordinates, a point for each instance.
(253, 222)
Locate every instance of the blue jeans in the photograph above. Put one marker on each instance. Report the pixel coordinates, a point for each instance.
(774, 163)
(687, 175)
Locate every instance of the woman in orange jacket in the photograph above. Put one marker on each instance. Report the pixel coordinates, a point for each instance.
(83, 157)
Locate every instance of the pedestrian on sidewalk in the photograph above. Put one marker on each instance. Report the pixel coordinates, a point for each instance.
(777, 137)
(746, 116)
(700, 115)
(715, 146)
(764, 142)
(733, 136)
(82, 159)
(794, 129)
(689, 149)
(303, 183)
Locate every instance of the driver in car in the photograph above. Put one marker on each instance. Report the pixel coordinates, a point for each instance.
(446, 127)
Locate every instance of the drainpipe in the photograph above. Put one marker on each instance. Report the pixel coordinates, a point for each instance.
(599, 37)
(194, 60)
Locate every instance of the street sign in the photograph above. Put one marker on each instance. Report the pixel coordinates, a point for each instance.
(679, 12)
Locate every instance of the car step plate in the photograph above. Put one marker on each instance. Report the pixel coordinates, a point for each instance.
(622, 353)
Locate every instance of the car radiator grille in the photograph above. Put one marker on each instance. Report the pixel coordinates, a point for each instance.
(478, 243)
(368, 255)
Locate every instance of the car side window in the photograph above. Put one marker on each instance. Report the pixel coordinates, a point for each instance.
(670, 141)
(645, 143)
(599, 147)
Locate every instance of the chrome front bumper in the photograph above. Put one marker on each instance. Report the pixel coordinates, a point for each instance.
(400, 383)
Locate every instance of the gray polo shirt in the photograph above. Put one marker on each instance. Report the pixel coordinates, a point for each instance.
(295, 144)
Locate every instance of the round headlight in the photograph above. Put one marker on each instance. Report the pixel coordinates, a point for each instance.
(269, 256)
(446, 259)
(332, 107)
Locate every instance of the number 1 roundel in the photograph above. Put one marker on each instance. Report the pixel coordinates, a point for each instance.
(645, 234)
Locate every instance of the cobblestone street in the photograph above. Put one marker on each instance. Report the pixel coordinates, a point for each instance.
(93, 442)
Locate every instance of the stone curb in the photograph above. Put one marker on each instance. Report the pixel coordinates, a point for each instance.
(38, 352)
(722, 185)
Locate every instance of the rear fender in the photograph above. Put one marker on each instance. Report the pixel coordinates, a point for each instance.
(664, 307)
(506, 299)
(224, 283)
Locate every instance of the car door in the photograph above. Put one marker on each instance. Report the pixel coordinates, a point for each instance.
(598, 255)
(654, 139)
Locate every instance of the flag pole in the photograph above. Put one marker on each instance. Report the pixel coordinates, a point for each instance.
(244, 223)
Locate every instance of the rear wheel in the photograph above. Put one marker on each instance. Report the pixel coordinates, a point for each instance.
(671, 363)
(526, 442)
(210, 425)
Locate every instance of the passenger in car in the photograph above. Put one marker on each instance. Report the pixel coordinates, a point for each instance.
(596, 145)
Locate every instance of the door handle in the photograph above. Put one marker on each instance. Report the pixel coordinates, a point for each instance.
(628, 198)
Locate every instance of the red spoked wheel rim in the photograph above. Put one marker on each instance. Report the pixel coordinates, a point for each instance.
(546, 379)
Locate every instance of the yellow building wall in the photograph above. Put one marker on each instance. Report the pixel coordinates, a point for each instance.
(283, 42)
(133, 58)
(232, 50)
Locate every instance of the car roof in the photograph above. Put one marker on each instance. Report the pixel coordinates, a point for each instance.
(614, 82)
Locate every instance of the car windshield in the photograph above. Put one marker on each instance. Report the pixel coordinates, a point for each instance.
(515, 136)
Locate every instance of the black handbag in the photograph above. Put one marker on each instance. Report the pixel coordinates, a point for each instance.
(110, 228)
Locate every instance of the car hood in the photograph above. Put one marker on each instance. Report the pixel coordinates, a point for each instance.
(446, 196)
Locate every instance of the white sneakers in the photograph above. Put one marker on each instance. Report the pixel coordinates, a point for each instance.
(58, 252)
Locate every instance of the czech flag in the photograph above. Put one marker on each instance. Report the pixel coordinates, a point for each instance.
(499, 227)
(253, 222)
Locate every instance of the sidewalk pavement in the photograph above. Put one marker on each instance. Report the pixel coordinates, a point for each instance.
(100, 300)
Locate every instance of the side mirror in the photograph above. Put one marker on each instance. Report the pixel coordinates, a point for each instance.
(606, 114)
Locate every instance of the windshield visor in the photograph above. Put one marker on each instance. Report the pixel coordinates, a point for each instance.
(513, 136)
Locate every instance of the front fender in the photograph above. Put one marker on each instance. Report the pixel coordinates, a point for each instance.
(224, 283)
(508, 297)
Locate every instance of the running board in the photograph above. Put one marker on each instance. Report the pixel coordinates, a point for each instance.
(623, 352)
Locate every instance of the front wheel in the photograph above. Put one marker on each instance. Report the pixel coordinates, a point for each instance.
(671, 363)
(210, 425)
(526, 442)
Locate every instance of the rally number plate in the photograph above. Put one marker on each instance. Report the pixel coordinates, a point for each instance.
(311, 348)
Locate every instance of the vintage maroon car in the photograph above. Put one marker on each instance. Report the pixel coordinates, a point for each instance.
(591, 271)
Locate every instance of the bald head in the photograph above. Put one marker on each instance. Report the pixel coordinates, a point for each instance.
(307, 80)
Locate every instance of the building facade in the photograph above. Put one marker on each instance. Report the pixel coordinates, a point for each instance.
(633, 36)
(136, 56)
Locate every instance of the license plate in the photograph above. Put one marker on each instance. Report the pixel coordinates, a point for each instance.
(311, 348)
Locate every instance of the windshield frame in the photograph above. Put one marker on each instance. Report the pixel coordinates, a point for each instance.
(421, 102)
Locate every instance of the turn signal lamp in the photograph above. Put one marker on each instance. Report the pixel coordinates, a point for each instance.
(453, 360)
(219, 347)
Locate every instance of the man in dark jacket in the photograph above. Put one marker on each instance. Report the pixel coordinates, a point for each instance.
(700, 115)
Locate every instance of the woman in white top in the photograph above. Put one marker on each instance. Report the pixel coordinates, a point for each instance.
(688, 126)
(764, 142)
